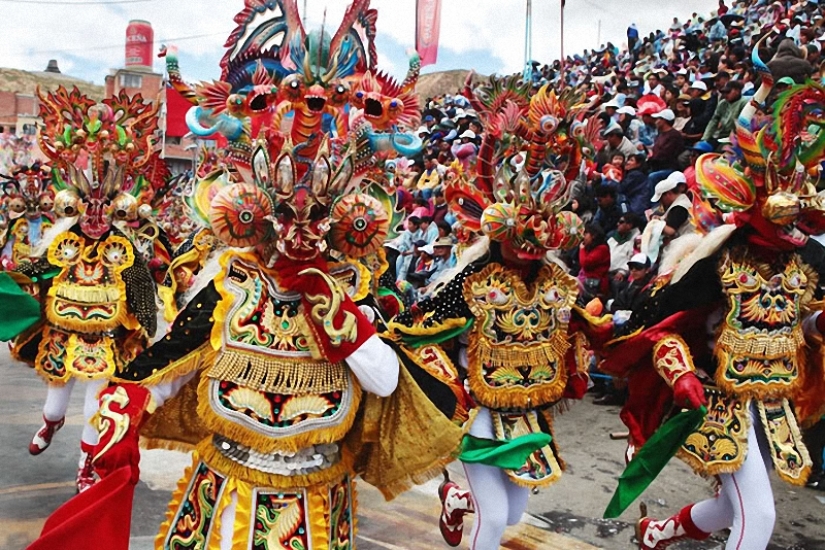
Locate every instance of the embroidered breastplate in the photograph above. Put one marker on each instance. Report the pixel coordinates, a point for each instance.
(269, 389)
(518, 343)
(89, 295)
(761, 335)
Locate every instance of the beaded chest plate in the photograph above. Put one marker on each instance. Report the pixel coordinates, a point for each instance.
(761, 338)
(267, 388)
(89, 295)
(518, 343)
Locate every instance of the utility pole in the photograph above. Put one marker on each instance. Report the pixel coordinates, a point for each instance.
(528, 40)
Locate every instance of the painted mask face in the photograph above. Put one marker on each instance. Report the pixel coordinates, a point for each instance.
(302, 227)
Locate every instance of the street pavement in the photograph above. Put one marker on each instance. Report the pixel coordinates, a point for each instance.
(565, 516)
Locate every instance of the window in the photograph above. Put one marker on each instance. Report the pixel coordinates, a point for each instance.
(131, 81)
(172, 140)
(29, 129)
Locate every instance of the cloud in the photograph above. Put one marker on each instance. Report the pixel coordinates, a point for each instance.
(487, 35)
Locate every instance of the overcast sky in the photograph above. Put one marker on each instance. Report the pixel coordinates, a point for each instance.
(486, 35)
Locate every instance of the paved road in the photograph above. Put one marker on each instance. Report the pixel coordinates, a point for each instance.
(564, 517)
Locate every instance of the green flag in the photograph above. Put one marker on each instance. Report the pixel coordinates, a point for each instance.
(651, 459)
(18, 310)
(509, 455)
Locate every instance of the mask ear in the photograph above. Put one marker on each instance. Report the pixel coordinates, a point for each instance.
(79, 179)
(239, 215)
(260, 167)
(285, 178)
(341, 178)
(320, 179)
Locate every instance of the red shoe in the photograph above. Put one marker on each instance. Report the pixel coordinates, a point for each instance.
(455, 503)
(659, 534)
(85, 472)
(43, 438)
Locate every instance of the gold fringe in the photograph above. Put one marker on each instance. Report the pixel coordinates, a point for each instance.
(480, 352)
(762, 390)
(151, 443)
(274, 374)
(236, 431)
(176, 424)
(88, 294)
(418, 329)
(703, 469)
(807, 465)
(768, 347)
(215, 460)
(406, 453)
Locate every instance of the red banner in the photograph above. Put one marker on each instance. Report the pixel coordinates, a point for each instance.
(427, 28)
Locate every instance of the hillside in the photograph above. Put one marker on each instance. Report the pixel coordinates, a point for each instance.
(25, 82)
(445, 82)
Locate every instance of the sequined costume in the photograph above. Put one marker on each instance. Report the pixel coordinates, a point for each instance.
(98, 298)
(520, 333)
(736, 326)
(28, 202)
(271, 372)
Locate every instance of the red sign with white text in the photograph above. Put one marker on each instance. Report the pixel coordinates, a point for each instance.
(427, 28)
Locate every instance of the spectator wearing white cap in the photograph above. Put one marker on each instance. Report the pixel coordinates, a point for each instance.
(671, 195)
(669, 143)
(465, 149)
(616, 142)
(631, 125)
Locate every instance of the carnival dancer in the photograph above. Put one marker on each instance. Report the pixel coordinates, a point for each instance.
(29, 203)
(99, 307)
(271, 372)
(736, 327)
(522, 335)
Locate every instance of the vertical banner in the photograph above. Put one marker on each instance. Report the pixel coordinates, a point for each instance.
(427, 28)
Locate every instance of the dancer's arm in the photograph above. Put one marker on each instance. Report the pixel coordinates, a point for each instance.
(376, 366)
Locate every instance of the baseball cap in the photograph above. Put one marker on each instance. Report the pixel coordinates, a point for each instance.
(613, 129)
(788, 81)
(612, 103)
(699, 85)
(468, 134)
(703, 147)
(668, 184)
(627, 110)
(666, 114)
(639, 260)
(429, 249)
(443, 241)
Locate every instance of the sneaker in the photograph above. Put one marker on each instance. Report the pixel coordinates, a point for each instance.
(43, 438)
(455, 503)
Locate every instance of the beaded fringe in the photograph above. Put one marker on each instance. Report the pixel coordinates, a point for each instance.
(276, 375)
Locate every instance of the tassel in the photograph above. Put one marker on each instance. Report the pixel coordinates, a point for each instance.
(271, 374)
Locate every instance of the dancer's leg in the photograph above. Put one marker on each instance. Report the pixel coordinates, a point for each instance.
(749, 492)
(488, 486)
(90, 407)
(516, 501)
(54, 414)
(57, 401)
(228, 523)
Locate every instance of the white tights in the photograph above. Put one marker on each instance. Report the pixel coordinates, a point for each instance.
(57, 403)
(498, 501)
(745, 502)
(228, 523)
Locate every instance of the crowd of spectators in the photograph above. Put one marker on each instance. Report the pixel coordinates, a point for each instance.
(667, 98)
